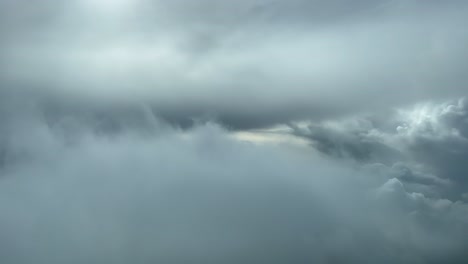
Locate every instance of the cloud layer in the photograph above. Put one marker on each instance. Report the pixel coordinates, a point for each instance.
(243, 131)
(248, 64)
(202, 197)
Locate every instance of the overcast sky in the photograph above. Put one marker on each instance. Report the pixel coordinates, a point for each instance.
(249, 131)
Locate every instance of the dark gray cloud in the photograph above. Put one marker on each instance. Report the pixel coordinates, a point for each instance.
(350, 139)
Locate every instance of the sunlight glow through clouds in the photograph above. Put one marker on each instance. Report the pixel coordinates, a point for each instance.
(109, 7)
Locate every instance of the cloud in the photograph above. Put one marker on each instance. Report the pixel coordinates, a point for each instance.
(198, 195)
(174, 131)
(249, 64)
(427, 145)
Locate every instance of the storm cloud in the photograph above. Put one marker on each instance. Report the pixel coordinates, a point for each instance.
(248, 64)
(250, 131)
(201, 196)
(425, 144)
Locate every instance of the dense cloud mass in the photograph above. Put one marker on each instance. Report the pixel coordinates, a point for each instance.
(250, 131)
(247, 63)
(426, 145)
(191, 197)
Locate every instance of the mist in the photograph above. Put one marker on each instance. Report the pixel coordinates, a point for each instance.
(252, 131)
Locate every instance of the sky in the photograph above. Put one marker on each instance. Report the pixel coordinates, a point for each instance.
(249, 131)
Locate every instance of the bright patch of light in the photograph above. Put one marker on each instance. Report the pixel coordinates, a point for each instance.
(419, 115)
(274, 135)
(109, 7)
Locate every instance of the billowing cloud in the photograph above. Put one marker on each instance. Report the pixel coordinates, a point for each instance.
(250, 131)
(248, 64)
(201, 196)
(427, 145)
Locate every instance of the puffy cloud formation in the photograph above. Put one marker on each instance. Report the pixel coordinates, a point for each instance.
(250, 131)
(427, 146)
(98, 187)
(201, 196)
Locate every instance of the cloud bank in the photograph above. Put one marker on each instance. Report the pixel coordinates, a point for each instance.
(75, 190)
(249, 64)
(243, 131)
